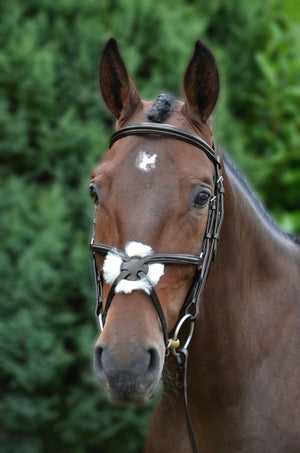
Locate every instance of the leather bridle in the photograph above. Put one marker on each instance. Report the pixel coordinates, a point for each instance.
(134, 268)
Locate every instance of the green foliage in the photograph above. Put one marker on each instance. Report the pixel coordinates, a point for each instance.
(54, 129)
(274, 119)
(260, 100)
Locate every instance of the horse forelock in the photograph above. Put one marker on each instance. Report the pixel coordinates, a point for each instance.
(162, 108)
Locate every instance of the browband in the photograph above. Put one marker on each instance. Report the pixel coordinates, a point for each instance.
(167, 130)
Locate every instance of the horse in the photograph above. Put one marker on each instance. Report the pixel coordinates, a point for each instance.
(219, 324)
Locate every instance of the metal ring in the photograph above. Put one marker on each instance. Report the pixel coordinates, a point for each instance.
(100, 317)
(178, 327)
(188, 340)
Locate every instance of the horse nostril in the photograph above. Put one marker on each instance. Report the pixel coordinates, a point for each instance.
(153, 361)
(98, 360)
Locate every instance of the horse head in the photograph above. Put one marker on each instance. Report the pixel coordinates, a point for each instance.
(152, 195)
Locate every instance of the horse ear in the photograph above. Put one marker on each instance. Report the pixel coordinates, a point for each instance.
(118, 90)
(201, 84)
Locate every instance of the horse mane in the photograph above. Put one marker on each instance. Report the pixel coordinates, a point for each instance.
(162, 108)
(241, 178)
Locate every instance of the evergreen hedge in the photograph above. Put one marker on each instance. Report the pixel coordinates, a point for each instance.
(53, 131)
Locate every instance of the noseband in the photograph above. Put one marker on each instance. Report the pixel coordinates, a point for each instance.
(135, 268)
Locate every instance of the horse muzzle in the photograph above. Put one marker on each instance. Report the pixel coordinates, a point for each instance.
(136, 384)
(129, 365)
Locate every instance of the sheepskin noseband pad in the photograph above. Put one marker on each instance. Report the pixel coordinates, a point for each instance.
(140, 276)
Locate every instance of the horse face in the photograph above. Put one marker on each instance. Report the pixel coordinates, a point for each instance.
(153, 192)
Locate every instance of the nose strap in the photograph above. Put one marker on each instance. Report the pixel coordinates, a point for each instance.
(161, 315)
(133, 269)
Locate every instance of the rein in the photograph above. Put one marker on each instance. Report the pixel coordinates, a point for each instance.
(135, 268)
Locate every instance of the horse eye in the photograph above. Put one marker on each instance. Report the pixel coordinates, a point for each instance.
(201, 199)
(94, 193)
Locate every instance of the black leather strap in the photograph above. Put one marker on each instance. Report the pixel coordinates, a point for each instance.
(167, 130)
(111, 293)
(182, 358)
(161, 315)
(163, 258)
(173, 258)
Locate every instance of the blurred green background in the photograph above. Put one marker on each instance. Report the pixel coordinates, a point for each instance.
(54, 128)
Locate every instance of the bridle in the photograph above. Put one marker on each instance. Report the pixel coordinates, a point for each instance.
(135, 268)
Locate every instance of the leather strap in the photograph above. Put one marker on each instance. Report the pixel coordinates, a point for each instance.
(163, 258)
(182, 358)
(167, 130)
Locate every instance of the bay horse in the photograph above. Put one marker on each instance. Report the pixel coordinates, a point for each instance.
(163, 285)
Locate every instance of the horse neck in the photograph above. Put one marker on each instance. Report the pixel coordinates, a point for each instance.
(250, 292)
(252, 244)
